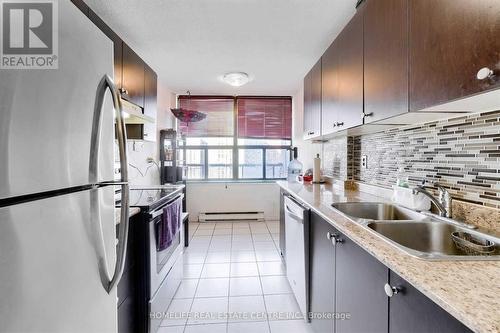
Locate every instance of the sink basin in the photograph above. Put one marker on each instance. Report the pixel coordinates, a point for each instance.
(377, 211)
(430, 239)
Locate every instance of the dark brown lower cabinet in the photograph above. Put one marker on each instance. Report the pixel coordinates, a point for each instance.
(348, 281)
(410, 311)
(359, 289)
(322, 274)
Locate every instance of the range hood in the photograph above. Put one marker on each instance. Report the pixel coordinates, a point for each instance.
(132, 114)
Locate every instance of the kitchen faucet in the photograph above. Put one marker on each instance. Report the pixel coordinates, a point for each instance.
(443, 202)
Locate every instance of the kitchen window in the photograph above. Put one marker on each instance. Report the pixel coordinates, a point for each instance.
(247, 138)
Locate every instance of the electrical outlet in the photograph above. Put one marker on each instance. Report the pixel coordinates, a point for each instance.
(138, 146)
(364, 162)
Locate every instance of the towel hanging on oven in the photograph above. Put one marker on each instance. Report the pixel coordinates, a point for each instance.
(169, 225)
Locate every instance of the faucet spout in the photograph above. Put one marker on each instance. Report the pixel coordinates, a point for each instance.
(442, 209)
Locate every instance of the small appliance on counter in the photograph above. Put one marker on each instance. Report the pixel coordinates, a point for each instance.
(172, 157)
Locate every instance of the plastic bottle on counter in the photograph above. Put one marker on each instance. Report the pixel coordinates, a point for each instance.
(402, 180)
(294, 167)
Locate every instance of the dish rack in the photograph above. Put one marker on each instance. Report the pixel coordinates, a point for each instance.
(472, 245)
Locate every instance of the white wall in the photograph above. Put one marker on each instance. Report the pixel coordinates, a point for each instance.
(233, 197)
(142, 172)
(166, 100)
(307, 150)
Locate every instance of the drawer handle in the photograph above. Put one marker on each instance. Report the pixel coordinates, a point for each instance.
(390, 290)
(366, 115)
(310, 133)
(340, 124)
(485, 73)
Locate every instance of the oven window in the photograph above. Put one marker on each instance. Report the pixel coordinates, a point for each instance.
(163, 256)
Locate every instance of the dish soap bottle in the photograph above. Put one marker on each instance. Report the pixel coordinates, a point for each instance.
(402, 180)
(294, 167)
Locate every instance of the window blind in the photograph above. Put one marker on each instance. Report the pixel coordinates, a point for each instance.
(220, 116)
(264, 117)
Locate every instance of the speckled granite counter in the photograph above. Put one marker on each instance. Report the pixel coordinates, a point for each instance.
(131, 212)
(468, 290)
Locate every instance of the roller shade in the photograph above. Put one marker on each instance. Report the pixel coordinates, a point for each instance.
(269, 118)
(220, 116)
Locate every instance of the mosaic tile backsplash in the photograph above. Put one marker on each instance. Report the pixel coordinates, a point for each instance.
(337, 158)
(462, 154)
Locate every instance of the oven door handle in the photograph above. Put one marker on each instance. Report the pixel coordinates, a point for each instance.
(159, 212)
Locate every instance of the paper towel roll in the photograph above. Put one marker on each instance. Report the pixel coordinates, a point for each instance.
(317, 169)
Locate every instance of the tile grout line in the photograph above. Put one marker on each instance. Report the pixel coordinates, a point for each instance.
(199, 277)
(229, 284)
(260, 281)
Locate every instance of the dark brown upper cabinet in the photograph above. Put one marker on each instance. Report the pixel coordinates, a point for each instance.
(330, 92)
(350, 73)
(385, 58)
(132, 77)
(312, 102)
(450, 41)
(150, 102)
(342, 79)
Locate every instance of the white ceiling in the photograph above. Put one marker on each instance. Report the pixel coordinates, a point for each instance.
(191, 43)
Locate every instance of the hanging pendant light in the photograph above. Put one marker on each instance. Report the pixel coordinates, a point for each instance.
(187, 115)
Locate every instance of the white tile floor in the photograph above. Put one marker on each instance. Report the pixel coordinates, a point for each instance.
(234, 281)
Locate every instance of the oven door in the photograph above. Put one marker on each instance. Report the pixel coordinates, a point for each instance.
(162, 261)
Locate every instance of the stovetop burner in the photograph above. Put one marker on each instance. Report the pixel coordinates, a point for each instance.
(150, 197)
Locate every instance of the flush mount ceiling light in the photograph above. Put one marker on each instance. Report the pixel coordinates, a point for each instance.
(236, 79)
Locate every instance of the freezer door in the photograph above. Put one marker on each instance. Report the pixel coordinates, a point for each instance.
(46, 115)
(49, 276)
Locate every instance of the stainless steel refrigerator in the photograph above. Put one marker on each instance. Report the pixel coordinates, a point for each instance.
(59, 262)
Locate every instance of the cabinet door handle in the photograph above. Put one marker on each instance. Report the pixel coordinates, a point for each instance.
(340, 124)
(485, 73)
(310, 133)
(123, 91)
(390, 290)
(366, 115)
(334, 238)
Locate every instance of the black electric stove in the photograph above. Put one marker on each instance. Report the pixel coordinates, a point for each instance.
(148, 198)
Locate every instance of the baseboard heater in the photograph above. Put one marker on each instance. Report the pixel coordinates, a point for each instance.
(231, 216)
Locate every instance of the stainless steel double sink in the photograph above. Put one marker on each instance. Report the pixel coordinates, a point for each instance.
(424, 236)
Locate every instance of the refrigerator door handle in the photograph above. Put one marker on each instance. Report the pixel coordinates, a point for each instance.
(107, 83)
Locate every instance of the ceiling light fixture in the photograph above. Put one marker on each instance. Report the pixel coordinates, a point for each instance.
(236, 79)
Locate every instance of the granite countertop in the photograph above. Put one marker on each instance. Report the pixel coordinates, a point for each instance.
(468, 290)
(131, 212)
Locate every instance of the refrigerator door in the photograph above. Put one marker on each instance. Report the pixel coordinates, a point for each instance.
(49, 253)
(46, 115)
